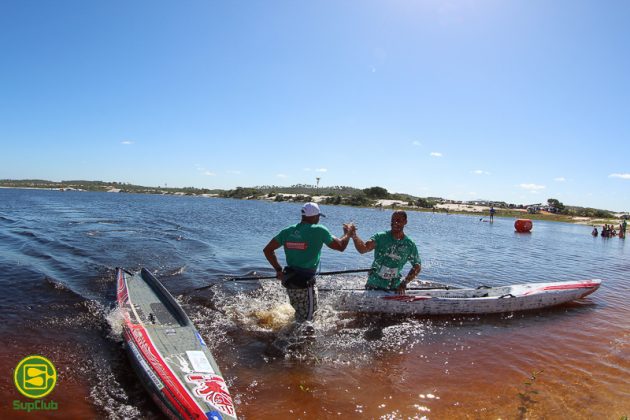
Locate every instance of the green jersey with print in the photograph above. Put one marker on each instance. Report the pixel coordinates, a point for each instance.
(390, 256)
(303, 244)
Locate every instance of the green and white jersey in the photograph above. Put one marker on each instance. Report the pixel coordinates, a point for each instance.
(390, 256)
(303, 244)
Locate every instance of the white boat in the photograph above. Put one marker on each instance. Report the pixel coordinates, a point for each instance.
(483, 300)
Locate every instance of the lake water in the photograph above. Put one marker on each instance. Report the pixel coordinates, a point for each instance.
(59, 250)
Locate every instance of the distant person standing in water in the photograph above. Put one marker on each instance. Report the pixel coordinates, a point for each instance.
(492, 211)
(302, 244)
(392, 250)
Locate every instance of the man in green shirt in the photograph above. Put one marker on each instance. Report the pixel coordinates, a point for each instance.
(302, 244)
(393, 249)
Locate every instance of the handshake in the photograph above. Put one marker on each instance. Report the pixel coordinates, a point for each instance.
(350, 229)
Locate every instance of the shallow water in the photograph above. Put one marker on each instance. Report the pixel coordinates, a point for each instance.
(59, 250)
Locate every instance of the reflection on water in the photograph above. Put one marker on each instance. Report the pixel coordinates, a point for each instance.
(58, 252)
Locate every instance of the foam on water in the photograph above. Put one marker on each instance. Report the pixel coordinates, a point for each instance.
(116, 321)
(264, 314)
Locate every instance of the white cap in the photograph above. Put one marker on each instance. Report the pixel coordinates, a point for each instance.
(311, 209)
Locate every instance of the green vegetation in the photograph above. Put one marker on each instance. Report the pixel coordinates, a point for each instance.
(305, 189)
(557, 207)
(556, 204)
(376, 192)
(424, 203)
(359, 199)
(241, 192)
(102, 186)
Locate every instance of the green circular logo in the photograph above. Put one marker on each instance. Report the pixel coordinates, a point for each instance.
(35, 376)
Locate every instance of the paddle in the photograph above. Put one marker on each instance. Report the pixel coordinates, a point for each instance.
(363, 289)
(424, 285)
(325, 273)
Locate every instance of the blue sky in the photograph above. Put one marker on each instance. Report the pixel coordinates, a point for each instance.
(517, 101)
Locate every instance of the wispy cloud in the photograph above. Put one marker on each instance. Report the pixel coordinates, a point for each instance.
(126, 142)
(622, 176)
(416, 143)
(532, 187)
(321, 170)
(436, 154)
(203, 170)
(234, 172)
(560, 179)
(480, 172)
(282, 176)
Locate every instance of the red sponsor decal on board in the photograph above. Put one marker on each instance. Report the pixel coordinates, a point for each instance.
(584, 285)
(572, 286)
(212, 389)
(296, 245)
(121, 293)
(173, 389)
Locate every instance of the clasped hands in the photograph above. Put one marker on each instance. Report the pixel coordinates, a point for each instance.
(349, 229)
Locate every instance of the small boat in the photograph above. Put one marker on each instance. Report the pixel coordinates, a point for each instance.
(482, 300)
(168, 354)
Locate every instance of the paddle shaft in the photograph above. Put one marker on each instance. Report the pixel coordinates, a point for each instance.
(423, 286)
(325, 273)
(363, 289)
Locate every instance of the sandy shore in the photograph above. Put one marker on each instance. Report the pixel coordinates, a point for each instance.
(464, 207)
(387, 203)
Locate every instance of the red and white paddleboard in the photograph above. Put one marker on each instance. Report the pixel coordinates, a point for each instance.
(168, 354)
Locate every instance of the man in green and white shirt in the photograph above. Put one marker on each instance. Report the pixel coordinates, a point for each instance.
(392, 250)
(302, 243)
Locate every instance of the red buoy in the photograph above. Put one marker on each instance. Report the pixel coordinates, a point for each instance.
(523, 225)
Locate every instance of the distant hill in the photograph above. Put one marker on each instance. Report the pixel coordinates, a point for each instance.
(308, 189)
(102, 186)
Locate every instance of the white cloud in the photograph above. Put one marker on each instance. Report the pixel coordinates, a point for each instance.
(532, 187)
(321, 170)
(416, 143)
(203, 170)
(622, 176)
(560, 179)
(126, 142)
(436, 154)
(282, 176)
(480, 172)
